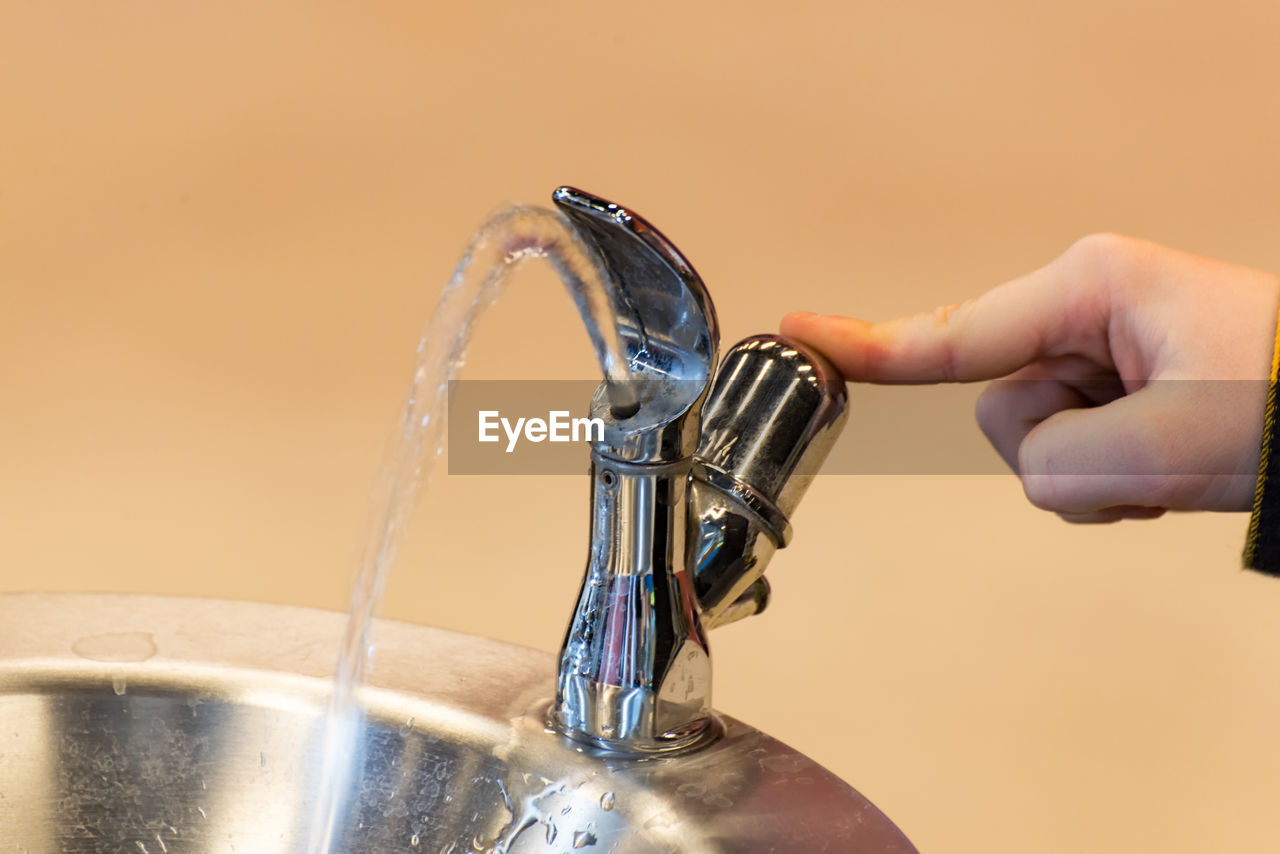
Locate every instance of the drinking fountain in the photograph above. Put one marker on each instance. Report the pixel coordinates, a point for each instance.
(159, 725)
(691, 490)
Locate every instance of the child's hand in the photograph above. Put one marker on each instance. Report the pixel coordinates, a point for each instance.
(1114, 309)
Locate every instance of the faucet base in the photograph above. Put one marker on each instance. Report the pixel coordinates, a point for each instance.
(694, 735)
(635, 670)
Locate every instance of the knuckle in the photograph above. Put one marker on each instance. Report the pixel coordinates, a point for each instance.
(1103, 250)
(1041, 491)
(1040, 487)
(949, 319)
(989, 409)
(876, 354)
(949, 368)
(1108, 260)
(943, 314)
(1100, 268)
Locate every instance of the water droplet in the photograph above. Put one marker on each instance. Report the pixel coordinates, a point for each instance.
(119, 686)
(414, 840)
(262, 760)
(551, 832)
(506, 799)
(607, 801)
(203, 814)
(786, 763)
(116, 646)
(141, 847)
(583, 838)
(164, 849)
(692, 790)
(407, 727)
(662, 819)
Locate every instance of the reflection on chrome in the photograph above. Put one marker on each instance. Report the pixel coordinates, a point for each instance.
(691, 494)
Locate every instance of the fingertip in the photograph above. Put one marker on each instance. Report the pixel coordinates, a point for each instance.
(840, 339)
(795, 322)
(804, 324)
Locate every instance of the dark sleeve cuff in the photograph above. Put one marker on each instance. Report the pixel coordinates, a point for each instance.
(1262, 546)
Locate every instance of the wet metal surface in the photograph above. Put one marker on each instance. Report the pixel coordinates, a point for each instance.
(211, 743)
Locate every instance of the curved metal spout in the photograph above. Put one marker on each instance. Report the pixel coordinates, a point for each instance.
(665, 317)
(635, 673)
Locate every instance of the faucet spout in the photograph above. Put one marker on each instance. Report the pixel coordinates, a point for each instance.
(687, 505)
(667, 323)
(635, 672)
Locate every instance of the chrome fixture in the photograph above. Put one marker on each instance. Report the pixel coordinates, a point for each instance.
(691, 493)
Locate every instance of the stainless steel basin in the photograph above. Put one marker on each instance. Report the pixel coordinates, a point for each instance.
(152, 725)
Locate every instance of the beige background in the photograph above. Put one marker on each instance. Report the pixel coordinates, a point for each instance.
(223, 224)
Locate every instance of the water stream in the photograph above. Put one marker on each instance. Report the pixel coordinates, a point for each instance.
(507, 239)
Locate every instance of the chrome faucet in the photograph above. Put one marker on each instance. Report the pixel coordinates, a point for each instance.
(691, 493)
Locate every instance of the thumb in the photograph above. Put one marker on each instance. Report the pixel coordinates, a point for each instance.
(1080, 461)
(1152, 448)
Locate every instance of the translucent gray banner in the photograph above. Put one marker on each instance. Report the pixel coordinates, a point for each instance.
(1186, 427)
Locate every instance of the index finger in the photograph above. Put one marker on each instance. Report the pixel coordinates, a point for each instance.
(1059, 309)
